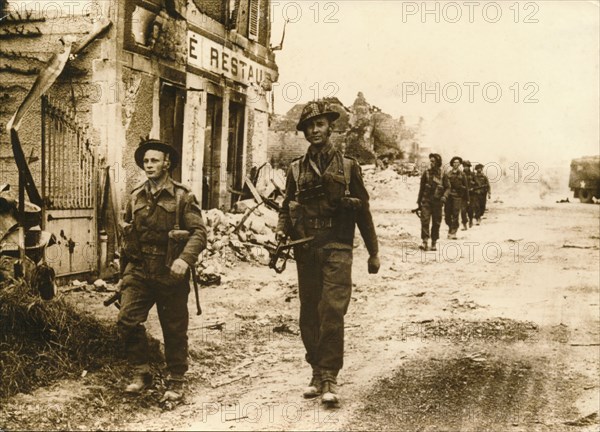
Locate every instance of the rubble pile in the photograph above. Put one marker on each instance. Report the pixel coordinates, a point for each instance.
(390, 189)
(243, 235)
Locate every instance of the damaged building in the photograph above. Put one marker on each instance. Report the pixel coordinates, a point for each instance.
(197, 74)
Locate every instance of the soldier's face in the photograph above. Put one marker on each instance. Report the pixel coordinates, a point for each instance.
(432, 163)
(156, 164)
(455, 165)
(317, 130)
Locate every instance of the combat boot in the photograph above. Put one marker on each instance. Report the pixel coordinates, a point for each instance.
(141, 381)
(471, 223)
(423, 246)
(478, 221)
(464, 226)
(433, 246)
(315, 386)
(174, 391)
(330, 392)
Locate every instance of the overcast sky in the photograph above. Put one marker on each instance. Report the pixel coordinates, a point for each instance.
(464, 53)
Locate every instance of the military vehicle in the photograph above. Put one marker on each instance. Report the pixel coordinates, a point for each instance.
(584, 179)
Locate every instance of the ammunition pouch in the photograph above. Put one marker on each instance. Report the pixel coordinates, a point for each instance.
(131, 245)
(350, 203)
(297, 219)
(176, 243)
(344, 224)
(311, 193)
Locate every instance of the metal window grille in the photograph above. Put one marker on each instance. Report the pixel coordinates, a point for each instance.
(68, 161)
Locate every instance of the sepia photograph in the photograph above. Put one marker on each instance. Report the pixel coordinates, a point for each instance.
(309, 215)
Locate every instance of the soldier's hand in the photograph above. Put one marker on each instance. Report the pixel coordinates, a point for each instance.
(178, 268)
(280, 236)
(443, 199)
(489, 196)
(373, 264)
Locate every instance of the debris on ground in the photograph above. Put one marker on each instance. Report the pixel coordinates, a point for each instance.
(590, 419)
(462, 330)
(45, 341)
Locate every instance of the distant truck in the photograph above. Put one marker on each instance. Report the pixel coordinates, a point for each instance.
(584, 179)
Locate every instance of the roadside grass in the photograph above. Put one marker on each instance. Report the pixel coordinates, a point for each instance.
(44, 341)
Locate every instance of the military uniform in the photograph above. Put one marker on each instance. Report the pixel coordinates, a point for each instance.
(317, 188)
(467, 205)
(146, 277)
(434, 189)
(482, 189)
(458, 193)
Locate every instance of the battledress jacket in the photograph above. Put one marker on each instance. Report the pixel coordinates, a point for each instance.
(327, 168)
(152, 216)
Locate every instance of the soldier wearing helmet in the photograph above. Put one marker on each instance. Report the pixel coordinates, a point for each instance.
(325, 198)
(482, 192)
(467, 206)
(458, 192)
(433, 193)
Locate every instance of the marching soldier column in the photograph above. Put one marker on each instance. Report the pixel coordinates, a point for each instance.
(461, 194)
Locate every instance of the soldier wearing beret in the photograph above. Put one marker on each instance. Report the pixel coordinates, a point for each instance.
(482, 192)
(325, 198)
(467, 205)
(154, 208)
(458, 192)
(433, 193)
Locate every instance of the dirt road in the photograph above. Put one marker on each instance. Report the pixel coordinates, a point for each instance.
(498, 330)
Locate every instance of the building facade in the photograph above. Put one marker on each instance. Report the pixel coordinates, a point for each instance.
(197, 74)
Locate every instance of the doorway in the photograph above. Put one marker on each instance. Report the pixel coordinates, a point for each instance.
(235, 149)
(172, 104)
(211, 169)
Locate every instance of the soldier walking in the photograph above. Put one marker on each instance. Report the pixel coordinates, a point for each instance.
(458, 193)
(466, 211)
(433, 193)
(482, 192)
(154, 208)
(325, 197)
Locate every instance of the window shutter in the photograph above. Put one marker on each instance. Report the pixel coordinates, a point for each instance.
(253, 19)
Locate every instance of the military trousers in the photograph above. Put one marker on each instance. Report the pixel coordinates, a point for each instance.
(476, 203)
(482, 204)
(452, 213)
(431, 212)
(466, 210)
(141, 290)
(324, 286)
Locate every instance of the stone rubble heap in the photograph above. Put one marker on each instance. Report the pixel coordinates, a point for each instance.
(232, 239)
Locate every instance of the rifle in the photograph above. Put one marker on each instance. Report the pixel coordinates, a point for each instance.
(115, 298)
(195, 282)
(283, 252)
(478, 188)
(417, 211)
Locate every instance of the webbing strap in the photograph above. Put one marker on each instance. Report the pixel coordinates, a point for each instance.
(178, 195)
